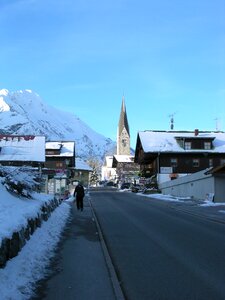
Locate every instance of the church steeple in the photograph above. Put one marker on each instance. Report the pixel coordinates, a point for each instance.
(123, 122)
(123, 135)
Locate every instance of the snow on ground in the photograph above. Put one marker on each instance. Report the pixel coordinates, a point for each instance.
(181, 199)
(210, 203)
(18, 278)
(165, 197)
(15, 211)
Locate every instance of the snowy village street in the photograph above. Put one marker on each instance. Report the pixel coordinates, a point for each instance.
(112, 150)
(160, 247)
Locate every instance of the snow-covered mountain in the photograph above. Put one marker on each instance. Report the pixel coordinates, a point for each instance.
(24, 112)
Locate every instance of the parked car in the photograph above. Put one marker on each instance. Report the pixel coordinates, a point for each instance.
(125, 185)
(110, 183)
(137, 188)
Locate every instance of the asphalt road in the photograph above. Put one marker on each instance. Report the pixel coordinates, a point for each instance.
(160, 252)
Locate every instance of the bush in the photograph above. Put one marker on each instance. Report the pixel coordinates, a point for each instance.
(20, 180)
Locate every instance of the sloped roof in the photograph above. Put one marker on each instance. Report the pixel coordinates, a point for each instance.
(22, 148)
(66, 148)
(124, 158)
(165, 141)
(82, 165)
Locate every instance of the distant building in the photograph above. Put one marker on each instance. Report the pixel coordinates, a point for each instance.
(123, 161)
(60, 155)
(121, 167)
(81, 172)
(126, 169)
(62, 168)
(108, 172)
(59, 165)
(172, 154)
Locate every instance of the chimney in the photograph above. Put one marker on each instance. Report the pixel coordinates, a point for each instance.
(196, 132)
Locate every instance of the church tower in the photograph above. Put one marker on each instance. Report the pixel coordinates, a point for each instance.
(123, 133)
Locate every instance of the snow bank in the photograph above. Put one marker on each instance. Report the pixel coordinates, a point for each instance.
(15, 211)
(18, 278)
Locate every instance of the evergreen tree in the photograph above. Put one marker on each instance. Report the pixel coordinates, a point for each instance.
(94, 176)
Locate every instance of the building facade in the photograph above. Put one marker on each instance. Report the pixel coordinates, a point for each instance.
(172, 154)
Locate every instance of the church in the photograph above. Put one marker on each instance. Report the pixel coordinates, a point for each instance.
(123, 132)
(121, 167)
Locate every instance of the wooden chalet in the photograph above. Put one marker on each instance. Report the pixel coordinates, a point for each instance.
(170, 154)
(60, 156)
(59, 165)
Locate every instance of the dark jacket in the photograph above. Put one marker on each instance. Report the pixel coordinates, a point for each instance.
(79, 191)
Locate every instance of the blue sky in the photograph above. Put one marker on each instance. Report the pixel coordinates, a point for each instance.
(165, 57)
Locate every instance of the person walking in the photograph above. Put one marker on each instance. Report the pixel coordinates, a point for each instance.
(79, 194)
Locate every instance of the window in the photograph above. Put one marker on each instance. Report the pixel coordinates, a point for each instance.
(187, 145)
(59, 164)
(49, 152)
(173, 162)
(195, 162)
(210, 162)
(124, 142)
(207, 145)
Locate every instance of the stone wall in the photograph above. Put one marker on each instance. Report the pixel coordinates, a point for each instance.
(10, 247)
(197, 186)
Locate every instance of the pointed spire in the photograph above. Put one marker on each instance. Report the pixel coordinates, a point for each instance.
(123, 122)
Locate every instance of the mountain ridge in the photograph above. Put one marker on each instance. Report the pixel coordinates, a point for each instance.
(24, 112)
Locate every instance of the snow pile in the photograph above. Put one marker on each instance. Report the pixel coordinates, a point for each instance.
(20, 180)
(181, 199)
(15, 211)
(18, 278)
(208, 203)
(164, 197)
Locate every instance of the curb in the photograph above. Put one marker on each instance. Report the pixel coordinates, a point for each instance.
(113, 276)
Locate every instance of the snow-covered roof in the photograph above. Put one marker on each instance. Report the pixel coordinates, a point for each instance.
(109, 161)
(22, 148)
(82, 165)
(166, 141)
(124, 158)
(66, 148)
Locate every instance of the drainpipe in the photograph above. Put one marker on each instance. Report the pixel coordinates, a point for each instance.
(158, 167)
